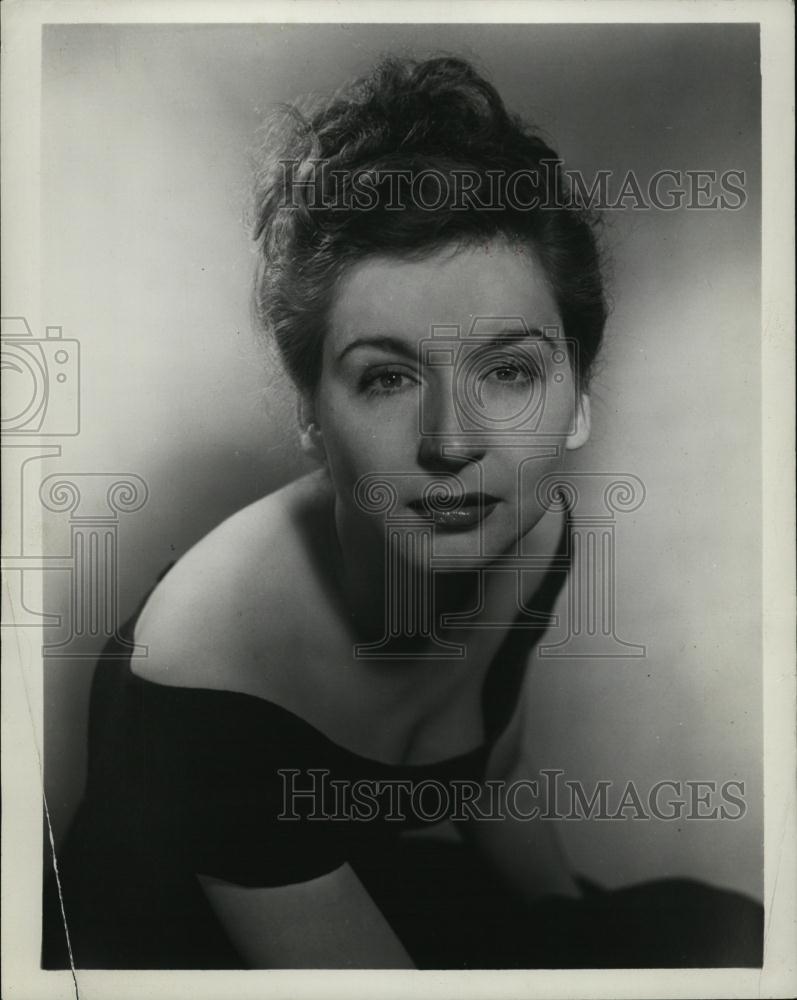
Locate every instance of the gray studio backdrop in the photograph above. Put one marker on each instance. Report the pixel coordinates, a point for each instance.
(146, 262)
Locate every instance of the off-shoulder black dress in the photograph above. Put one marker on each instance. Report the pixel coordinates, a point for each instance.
(185, 782)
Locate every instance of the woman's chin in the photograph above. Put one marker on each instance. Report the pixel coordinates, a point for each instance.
(453, 546)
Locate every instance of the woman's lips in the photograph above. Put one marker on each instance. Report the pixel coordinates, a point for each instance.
(458, 513)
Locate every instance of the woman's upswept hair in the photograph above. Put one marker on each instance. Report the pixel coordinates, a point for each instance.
(329, 193)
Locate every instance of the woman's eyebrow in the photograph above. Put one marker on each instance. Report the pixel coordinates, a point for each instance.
(513, 333)
(397, 345)
(385, 342)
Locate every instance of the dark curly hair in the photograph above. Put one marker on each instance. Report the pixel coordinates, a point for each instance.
(326, 196)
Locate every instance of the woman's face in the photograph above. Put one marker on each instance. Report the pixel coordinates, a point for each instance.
(451, 370)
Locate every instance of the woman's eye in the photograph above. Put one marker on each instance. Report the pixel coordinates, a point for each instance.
(386, 382)
(510, 374)
(506, 374)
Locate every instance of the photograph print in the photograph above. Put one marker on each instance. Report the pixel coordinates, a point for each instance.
(392, 417)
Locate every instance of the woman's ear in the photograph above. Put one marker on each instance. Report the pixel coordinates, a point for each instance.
(583, 423)
(310, 437)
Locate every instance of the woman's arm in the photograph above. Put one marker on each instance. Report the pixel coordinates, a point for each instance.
(329, 922)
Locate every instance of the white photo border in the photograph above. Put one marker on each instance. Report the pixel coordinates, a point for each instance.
(22, 708)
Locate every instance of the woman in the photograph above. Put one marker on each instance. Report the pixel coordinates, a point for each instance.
(258, 786)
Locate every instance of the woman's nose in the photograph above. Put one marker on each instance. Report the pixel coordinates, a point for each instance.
(444, 443)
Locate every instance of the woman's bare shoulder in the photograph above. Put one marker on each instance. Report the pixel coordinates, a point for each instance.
(238, 598)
